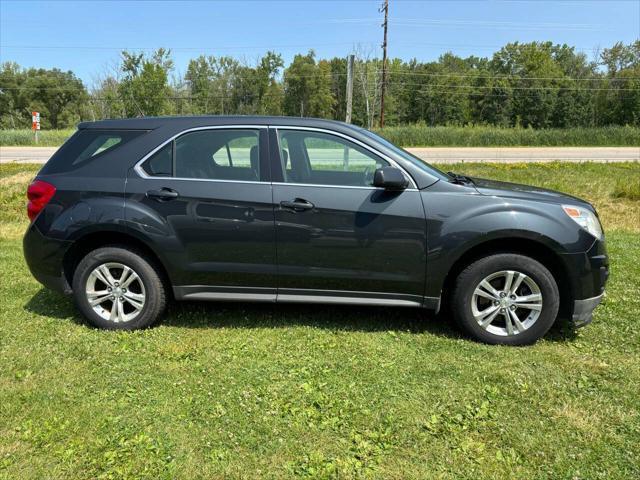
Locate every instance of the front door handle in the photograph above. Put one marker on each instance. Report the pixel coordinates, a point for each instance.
(162, 194)
(297, 205)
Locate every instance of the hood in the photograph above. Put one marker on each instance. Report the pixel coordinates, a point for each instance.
(525, 192)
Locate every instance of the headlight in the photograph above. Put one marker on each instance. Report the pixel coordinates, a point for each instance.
(585, 218)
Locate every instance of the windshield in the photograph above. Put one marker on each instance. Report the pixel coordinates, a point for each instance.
(406, 155)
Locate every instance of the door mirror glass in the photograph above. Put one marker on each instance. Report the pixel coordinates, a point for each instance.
(390, 178)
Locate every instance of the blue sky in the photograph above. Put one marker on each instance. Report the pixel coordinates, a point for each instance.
(86, 36)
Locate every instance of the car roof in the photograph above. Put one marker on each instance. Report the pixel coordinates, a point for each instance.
(183, 122)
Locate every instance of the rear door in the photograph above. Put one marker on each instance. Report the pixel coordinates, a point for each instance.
(204, 201)
(338, 237)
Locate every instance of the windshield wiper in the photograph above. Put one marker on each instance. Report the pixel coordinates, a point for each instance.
(460, 179)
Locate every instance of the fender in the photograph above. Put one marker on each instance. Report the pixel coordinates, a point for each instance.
(460, 219)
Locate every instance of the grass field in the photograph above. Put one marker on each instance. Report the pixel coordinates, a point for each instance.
(46, 138)
(423, 136)
(479, 136)
(249, 391)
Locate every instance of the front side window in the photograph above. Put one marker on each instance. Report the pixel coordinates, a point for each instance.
(430, 169)
(216, 154)
(324, 159)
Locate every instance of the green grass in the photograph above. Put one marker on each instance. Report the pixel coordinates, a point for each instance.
(629, 188)
(250, 391)
(423, 136)
(486, 136)
(46, 138)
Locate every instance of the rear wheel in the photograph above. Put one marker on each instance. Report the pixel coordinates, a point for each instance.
(506, 299)
(118, 288)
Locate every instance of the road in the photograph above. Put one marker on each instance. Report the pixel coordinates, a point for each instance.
(433, 155)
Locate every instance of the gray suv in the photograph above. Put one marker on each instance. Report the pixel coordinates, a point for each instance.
(130, 213)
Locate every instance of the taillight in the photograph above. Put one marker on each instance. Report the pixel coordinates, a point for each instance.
(39, 193)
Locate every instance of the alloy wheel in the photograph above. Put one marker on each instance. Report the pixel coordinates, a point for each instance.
(506, 303)
(115, 292)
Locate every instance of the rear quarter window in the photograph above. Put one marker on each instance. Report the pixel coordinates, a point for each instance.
(86, 146)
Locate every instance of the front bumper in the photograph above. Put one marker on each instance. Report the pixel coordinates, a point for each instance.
(588, 274)
(583, 310)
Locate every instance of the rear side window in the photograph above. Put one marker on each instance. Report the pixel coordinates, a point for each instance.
(87, 145)
(160, 164)
(214, 154)
(218, 155)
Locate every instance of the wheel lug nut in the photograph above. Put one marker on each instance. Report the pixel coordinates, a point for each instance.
(513, 307)
(496, 303)
(513, 297)
(502, 294)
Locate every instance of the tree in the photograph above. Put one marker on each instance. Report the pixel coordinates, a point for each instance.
(13, 101)
(367, 73)
(200, 78)
(58, 96)
(307, 87)
(144, 88)
(338, 68)
(533, 74)
(621, 100)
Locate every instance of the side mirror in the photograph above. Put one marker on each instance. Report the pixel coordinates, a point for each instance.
(390, 178)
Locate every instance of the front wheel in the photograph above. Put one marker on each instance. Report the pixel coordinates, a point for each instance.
(506, 299)
(118, 288)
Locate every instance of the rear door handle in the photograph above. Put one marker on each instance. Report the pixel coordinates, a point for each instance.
(297, 205)
(162, 194)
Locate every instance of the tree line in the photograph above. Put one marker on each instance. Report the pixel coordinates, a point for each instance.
(537, 84)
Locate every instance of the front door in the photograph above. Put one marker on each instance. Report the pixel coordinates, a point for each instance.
(205, 199)
(338, 237)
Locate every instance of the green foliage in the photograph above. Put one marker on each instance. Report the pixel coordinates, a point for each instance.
(59, 96)
(485, 136)
(253, 391)
(537, 84)
(24, 137)
(421, 135)
(144, 88)
(629, 188)
(307, 87)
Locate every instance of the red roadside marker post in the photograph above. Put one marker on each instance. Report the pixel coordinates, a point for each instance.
(35, 124)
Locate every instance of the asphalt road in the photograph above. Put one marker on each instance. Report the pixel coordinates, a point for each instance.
(434, 155)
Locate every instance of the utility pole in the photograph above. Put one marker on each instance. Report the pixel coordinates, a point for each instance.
(385, 8)
(349, 87)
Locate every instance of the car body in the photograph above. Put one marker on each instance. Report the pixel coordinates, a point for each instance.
(311, 211)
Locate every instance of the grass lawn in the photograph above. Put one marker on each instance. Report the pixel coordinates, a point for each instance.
(247, 391)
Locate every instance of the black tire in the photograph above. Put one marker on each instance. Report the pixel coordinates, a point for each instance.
(148, 273)
(471, 277)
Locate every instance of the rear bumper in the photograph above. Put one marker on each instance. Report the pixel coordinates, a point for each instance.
(583, 310)
(44, 257)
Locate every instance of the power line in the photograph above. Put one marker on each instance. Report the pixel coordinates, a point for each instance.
(479, 23)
